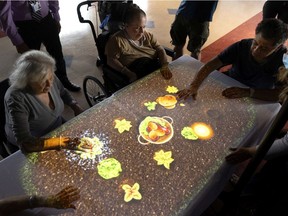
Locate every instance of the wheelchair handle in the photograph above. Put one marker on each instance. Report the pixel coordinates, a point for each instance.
(82, 20)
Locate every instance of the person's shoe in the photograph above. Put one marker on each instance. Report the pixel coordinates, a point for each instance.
(70, 86)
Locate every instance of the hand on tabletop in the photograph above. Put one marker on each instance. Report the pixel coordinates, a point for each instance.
(165, 71)
(189, 92)
(64, 198)
(70, 143)
(239, 155)
(21, 48)
(236, 92)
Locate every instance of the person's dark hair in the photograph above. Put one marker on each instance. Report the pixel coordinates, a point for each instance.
(273, 29)
(132, 13)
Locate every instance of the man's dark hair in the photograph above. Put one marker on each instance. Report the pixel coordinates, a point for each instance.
(133, 12)
(273, 29)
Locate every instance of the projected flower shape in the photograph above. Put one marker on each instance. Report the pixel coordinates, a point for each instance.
(150, 105)
(164, 158)
(122, 125)
(172, 89)
(131, 192)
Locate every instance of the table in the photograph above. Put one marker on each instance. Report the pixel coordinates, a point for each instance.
(197, 174)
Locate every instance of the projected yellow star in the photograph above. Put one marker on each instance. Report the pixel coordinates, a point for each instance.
(172, 89)
(122, 125)
(163, 158)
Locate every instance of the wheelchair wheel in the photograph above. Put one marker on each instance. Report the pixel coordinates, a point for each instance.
(94, 90)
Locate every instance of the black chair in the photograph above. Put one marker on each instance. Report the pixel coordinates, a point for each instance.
(5, 148)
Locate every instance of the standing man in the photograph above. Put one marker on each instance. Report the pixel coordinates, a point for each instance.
(30, 23)
(276, 9)
(192, 20)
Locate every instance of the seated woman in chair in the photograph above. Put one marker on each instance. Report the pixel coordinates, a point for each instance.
(34, 104)
(135, 52)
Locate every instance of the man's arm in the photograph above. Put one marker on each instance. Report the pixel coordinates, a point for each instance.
(261, 94)
(62, 200)
(204, 71)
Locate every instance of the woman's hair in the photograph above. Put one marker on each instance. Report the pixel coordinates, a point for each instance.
(133, 12)
(31, 66)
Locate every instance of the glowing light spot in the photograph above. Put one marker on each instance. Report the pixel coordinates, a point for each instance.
(202, 130)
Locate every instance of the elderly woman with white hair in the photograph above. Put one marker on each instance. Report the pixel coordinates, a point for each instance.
(34, 104)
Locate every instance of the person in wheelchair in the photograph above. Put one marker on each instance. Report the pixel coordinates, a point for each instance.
(133, 51)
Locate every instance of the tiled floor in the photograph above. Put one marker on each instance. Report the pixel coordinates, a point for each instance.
(79, 46)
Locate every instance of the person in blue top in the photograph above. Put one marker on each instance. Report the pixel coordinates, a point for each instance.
(255, 63)
(192, 20)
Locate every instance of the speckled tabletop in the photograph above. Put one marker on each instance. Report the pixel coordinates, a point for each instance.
(195, 176)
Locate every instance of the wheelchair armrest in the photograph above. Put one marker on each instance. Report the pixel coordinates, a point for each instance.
(115, 77)
(170, 52)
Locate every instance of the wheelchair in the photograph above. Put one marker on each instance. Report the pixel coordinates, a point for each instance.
(94, 90)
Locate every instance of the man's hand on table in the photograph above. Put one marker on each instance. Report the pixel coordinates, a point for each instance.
(239, 155)
(63, 199)
(189, 92)
(236, 92)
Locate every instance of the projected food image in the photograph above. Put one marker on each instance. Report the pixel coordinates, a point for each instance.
(155, 130)
(167, 101)
(90, 147)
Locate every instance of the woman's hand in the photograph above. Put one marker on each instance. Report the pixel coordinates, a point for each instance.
(189, 92)
(71, 143)
(64, 198)
(236, 92)
(165, 71)
(239, 155)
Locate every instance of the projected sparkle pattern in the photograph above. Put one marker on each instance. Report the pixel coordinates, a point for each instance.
(163, 191)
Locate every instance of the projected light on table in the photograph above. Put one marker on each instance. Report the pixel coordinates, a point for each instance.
(155, 130)
(92, 149)
(202, 130)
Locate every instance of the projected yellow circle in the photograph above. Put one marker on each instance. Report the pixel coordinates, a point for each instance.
(202, 130)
